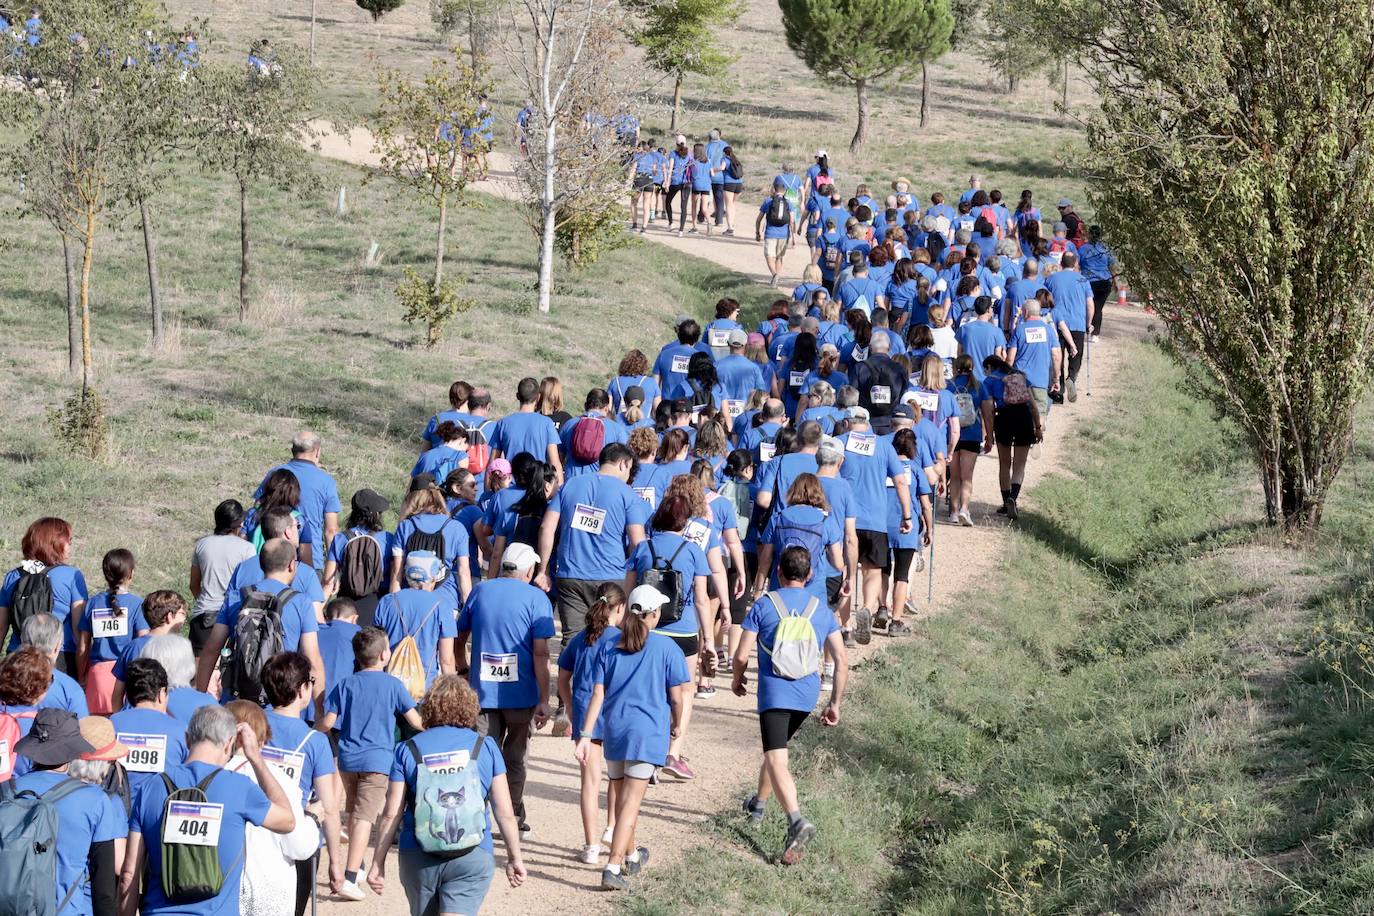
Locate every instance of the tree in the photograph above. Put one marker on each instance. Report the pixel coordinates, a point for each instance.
(473, 16)
(1233, 169)
(679, 37)
(1011, 41)
(860, 42)
(256, 127)
(379, 8)
(418, 131)
(965, 28)
(557, 53)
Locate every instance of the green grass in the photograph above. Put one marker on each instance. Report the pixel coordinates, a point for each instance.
(1134, 716)
(324, 348)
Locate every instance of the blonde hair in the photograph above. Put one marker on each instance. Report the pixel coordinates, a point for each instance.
(936, 316)
(644, 442)
(426, 500)
(550, 396)
(811, 274)
(932, 372)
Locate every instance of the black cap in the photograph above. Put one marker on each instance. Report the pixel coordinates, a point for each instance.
(54, 740)
(682, 405)
(370, 501)
(634, 393)
(422, 482)
(903, 412)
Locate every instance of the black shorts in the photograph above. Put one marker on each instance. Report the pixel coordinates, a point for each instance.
(777, 726)
(873, 548)
(832, 590)
(739, 607)
(734, 187)
(900, 567)
(968, 445)
(643, 182)
(690, 645)
(1013, 426)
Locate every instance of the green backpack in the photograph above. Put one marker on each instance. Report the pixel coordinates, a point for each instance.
(191, 823)
(795, 652)
(450, 807)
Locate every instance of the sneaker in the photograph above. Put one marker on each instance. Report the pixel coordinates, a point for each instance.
(610, 881)
(798, 835)
(728, 232)
(849, 642)
(1002, 509)
(679, 233)
(954, 518)
(642, 230)
(634, 866)
(863, 626)
(753, 809)
(653, 781)
(350, 890)
(562, 725)
(692, 230)
(882, 619)
(1071, 391)
(774, 281)
(606, 837)
(1011, 509)
(723, 658)
(590, 854)
(1097, 338)
(679, 768)
(966, 519)
(706, 692)
(899, 628)
(525, 831)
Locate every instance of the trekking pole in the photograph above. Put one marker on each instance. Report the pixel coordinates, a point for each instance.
(1088, 358)
(930, 567)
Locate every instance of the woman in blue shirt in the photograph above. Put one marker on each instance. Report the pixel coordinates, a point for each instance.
(699, 177)
(905, 546)
(634, 372)
(111, 621)
(451, 452)
(789, 380)
(806, 513)
(975, 435)
(811, 281)
(45, 548)
(1098, 266)
(639, 684)
(281, 488)
(364, 520)
(432, 883)
(425, 521)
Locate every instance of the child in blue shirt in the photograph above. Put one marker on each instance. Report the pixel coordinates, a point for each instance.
(111, 620)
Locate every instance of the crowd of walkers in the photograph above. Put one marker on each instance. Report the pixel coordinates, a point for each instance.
(748, 502)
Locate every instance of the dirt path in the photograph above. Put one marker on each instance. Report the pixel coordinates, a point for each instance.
(723, 741)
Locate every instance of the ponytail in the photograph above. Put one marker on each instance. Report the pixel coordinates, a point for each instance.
(599, 614)
(634, 412)
(634, 633)
(117, 568)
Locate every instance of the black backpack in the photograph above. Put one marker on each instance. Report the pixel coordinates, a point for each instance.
(662, 576)
(361, 574)
(32, 595)
(433, 541)
(777, 212)
(258, 635)
(701, 397)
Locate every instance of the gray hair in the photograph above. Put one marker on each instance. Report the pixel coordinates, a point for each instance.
(813, 325)
(305, 442)
(879, 343)
(1007, 248)
(963, 236)
(214, 724)
(175, 655)
(829, 454)
(822, 393)
(91, 771)
(847, 396)
(43, 632)
(1032, 308)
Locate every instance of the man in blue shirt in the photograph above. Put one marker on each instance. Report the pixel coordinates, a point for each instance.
(1071, 297)
(1034, 351)
(510, 623)
(277, 522)
(980, 338)
(860, 291)
(596, 409)
(739, 375)
(319, 493)
(671, 365)
(775, 226)
(715, 155)
(527, 430)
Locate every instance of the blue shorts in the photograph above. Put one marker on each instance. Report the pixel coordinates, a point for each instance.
(457, 885)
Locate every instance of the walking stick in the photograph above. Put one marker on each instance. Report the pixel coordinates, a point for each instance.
(1088, 358)
(930, 567)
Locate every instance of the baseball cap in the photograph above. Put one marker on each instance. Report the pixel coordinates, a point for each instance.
(903, 412)
(1065, 202)
(779, 184)
(830, 348)
(821, 154)
(519, 557)
(634, 393)
(737, 337)
(422, 482)
(645, 599)
(423, 566)
(680, 140)
(757, 340)
(499, 466)
(1061, 226)
(857, 413)
(370, 501)
(682, 405)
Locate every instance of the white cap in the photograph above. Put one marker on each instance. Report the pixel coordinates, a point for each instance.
(519, 557)
(997, 292)
(941, 285)
(821, 154)
(680, 140)
(645, 599)
(857, 413)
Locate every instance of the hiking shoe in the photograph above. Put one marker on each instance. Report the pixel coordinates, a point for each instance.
(350, 890)
(634, 866)
(863, 626)
(966, 519)
(525, 830)
(899, 628)
(882, 619)
(562, 725)
(798, 835)
(590, 854)
(753, 809)
(706, 692)
(679, 768)
(849, 642)
(1011, 509)
(1071, 391)
(1002, 509)
(610, 881)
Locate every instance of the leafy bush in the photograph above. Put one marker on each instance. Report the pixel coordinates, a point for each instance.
(588, 230)
(80, 424)
(379, 8)
(429, 305)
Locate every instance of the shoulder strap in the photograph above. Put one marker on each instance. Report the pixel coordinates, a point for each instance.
(777, 604)
(679, 550)
(811, 607)
(167, 781)
(653, 554)
(414, 751)
(424, 620)
(477, 750)
(60, 791)
(304, 741)
(204, 784)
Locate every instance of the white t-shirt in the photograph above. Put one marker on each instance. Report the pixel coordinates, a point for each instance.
(946, 346)
(216, 556)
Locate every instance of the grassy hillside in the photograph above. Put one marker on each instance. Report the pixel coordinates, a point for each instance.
(324, 349)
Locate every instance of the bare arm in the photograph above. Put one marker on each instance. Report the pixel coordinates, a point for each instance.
(412, 717)
(310, 648)
(635, 533)
(195, 581)
(130, 875)
(547, 529)
(447, 657)
(209, 656)
(541, 679)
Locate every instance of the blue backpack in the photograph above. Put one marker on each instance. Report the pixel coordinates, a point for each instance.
(792, 533)
(28, 850)
(450, 809)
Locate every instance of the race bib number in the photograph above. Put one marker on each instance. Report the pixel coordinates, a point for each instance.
(446, 762)
(719, 338)
(647, 494)
(880, 394)
(927, 400)
(588, 518)
(5, 764)
(291, 763)
(502, 668)
(105, 622)
(949, 371)
(192, 824)
(732, 408)
(796, 379)
(766, 451)
(698, 533)
(679, 364)
(861, 444)
(147, 753)
(1036, 335)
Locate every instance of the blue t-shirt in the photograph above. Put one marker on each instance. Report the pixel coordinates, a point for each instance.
(612, 430)
(182, 703)
(531, 433)
(84, 818)
(1034, 342)
(505, 616)
(593, 512)
(739, 377)
(336, 649)
(652, 480)
(428, 616)
(249, 572)
(444, 740)
(671, 366)
(776, 692)
(111, 633)
(868, 462)
(367, 704)
(840, 495)
(297, 618)
(464, 420)
(580, 659)
(777, 475)
(917, 484)
(1096, 261)
(781, 231)
(638, 716)
(65, 693)
(291, 736)
(456, 546)
(132, 651)
(440, 461)
(156, 743)
(715, 154)
(1071, 297)
(860, 287)
(832, 532)
(690, 562)
(68, 587)
(679, 163)
(963, 385)
(617, 387)
(319, 495)
(979, 339)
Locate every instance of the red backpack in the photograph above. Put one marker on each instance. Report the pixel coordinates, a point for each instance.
(10, 733)
(479, 451)
(990, 215)
(588, 438)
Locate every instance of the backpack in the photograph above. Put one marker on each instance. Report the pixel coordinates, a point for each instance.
(588, 439)
(433, 541)
(450, 809)
(968, 412)
(10, 733)
(737, 492)
(994, 223)
(791, 533)
(662, 576)
(832, 256)
(1016, 389)
(407, 664)
(479, 451)
(700, 397)
(776, 214)
(116, 785)
(32, 594)
(796, 653)
(28, 851)
(734, 169)
(361, 569)
(191, 869)
(258, 635)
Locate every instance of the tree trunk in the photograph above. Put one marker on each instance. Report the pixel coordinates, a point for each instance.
(861, 131)
(925, 93)
(1065, 98)
(473, 39)
(87, 257)
(677, 103)
(73, 307)
(150, 253)
(312, 32)
(243, 250)
(439, 255)
(550, 217)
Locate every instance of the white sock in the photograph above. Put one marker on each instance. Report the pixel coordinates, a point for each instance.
(613, 869)
(633, 857)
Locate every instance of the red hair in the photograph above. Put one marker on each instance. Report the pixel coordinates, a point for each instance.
(47, 540)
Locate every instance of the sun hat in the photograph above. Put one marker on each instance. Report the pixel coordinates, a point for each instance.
(100, 734)
(55, 739)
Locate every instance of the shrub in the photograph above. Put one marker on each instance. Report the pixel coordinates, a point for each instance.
(429, 305)
(80, 424)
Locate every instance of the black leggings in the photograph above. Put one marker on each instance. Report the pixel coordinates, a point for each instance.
(1101, 290)
(1073, 363)
(777, 726)
(673, 191)
(718, 200)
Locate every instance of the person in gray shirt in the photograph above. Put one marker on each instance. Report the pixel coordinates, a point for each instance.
(212, 563)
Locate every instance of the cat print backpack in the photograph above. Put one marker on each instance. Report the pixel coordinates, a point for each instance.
(450, 807)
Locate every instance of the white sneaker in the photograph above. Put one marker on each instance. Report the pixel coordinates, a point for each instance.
(606, 837)
(1097, 338)
(351, 891)
(590, 854)
(954, 518)
(966, 519)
